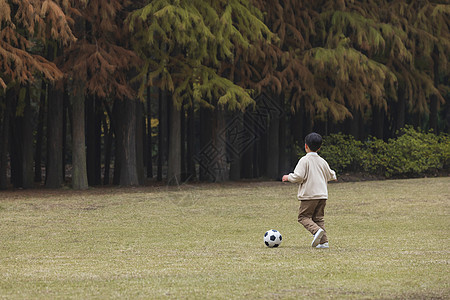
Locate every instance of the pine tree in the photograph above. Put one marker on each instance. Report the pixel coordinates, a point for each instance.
(347, 77)
(23, 23)
(184, 43)
(98, 66)
(430, 21)
(25, 27)
(357, 56)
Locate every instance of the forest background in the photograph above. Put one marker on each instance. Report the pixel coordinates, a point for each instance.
(100, 92)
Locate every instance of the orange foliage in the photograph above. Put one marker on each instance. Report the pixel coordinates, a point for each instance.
(31, 21)
(100, 60)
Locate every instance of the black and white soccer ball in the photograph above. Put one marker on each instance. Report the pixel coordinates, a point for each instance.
(272, 238)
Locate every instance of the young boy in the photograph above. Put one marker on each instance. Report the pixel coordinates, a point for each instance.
(312, 174)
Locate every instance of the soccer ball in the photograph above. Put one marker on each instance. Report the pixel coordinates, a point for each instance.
(272, 238)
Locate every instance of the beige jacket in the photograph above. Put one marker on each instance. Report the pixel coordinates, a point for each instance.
(312, 174)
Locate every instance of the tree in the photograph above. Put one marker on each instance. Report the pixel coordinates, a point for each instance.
(25, 25)
(183, 45)
(432, 36)
(79, 171)
(357, 57)
(98, 64)
(277, 70)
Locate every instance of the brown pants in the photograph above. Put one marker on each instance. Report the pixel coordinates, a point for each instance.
(311, 215)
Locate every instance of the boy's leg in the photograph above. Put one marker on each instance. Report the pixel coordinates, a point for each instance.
(306, 213)
(318, 218)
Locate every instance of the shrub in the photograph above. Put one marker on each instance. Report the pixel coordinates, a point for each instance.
(375, 157)
(415, 152)
(343, 152)
(412, 153)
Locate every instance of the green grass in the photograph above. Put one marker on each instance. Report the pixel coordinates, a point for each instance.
(388, 239)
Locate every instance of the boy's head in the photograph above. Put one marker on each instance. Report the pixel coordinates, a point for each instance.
(313, 141)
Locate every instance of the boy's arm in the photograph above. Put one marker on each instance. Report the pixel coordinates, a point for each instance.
(299, 173)
(331, 174)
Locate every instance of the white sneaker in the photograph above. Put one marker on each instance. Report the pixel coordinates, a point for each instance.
(323, 246)
(317, 236)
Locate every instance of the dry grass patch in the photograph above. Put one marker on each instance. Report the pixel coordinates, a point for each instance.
(389, 239)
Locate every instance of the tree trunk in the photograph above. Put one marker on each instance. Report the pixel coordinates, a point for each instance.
(126, 136)
(160, 138)
(140, 135)
(183, 143)
(206, 121)
(191, 173)
(434, 105)
(54, 161)
(93, 122)
(53, 178)
(354, 124)
(4, 146)
(247, 156)
(307, 126)
(321, 126)
(247, 163)
(283, 153)
(118, 149)
(273, 150)
(400, 111)
(108, 149)
(446, 114)
(256, 154)
(297, 125)
(378, 116)
(3, 139)
(263, 154)
(220, 170)
(235, 164)
(109, 134)
(162, 132)
(16, 146)
(79, 169)
(174, 162)
(64, 130)
(99, 113)
(149, 135)
(297, 121)
(40, 134)
(27, 142)
(434, 101)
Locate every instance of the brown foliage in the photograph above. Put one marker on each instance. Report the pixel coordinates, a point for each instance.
(24, 23)
(100, 59)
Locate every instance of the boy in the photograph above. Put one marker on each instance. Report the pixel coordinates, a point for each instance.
(312, 174)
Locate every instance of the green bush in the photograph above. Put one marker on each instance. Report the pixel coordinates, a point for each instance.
(343, 152)
(415, 152)
(412, 153)
(375, 157)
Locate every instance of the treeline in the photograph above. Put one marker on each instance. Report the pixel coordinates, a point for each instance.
(116, 92)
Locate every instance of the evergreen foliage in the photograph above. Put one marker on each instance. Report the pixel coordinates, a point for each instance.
(355, 55)
(184, 43)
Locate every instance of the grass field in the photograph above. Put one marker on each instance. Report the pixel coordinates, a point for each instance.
(388, 240)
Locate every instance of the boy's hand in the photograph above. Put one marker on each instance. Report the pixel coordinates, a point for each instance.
(285, 178)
